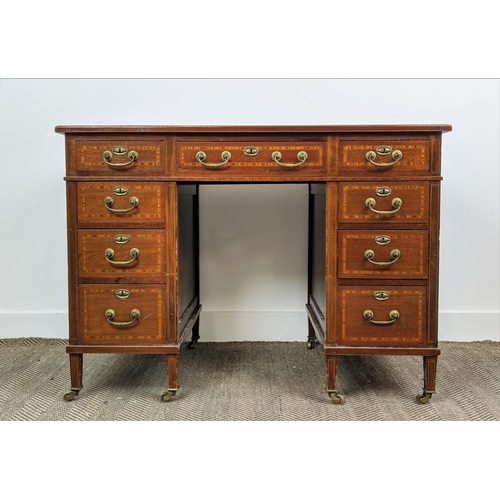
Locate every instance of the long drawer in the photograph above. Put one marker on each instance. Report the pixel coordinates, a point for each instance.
(248, 158)
(125, 314)
(382, 316)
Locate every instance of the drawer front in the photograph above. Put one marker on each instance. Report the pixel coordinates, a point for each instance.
(128, 314)
(119, 256)
(120, 204)
(247, 158)
(383, 254)
(394, 316)
(120, 156)
(390, 201)
(385, 156)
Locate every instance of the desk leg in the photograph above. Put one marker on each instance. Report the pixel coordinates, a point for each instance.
(331, 380)
(195, 334)
(430, 369)
(172, 377)
(76, 371)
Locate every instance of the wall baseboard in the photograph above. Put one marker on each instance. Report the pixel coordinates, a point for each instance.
(227, 326)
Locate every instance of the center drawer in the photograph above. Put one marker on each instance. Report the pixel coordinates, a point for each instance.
(383, 254)
(250, 158)
(121, 256)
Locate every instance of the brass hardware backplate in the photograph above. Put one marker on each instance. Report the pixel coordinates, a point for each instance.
(122, 293)
(251, 151)
(383, 191)
(384, 150)
(381, 295)
(120, 150)
(383, 239)
(121, 239)
(120, 191)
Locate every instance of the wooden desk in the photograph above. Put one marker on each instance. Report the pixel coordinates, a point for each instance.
(132, 211)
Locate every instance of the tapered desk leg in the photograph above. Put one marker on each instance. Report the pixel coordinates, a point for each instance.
(172, 377)
(76, 372)
(430, 369)
(331, 380)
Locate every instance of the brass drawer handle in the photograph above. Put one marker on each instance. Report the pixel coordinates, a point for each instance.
(107, 156)
(394, 315)
(201, 157)
(109, 253)
(301, 156)
(397, 203)
(108, 203)
(384, 151)
(110, 314)
(395, 254)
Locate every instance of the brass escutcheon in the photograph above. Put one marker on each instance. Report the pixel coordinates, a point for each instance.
(383, 239)
(383, 191)
(120, 150)
(251, 151)
(121, 239)
(122, 293)
(381, 295)
(384, 150)
(120, 191)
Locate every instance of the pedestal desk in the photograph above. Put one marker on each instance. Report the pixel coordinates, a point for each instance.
(132, 212)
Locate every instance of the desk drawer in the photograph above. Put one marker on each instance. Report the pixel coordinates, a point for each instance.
(384, 156)
(120, 156)
(383, 254)
(128, 314)
(120, 203)
(389, 201)
(119, 256)
(248, 158)
(371, 317)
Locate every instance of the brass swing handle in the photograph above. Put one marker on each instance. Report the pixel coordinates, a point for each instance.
(397, 203)
(396, 156)
(107, 156)
(394, 315)
(301, 156)
(108, 203)
(110, 314)
(109, 253)
(395, 255)
(201, 157)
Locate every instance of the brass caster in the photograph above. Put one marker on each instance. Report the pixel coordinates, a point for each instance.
(192, 344)
(70, 396)
(337, 398)
(167, 396)
(311, 344)
(424, 398)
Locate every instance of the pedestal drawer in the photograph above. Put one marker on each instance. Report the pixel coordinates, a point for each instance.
(383, 254)
(118, 256)
(385, 156)
(118, 156)
(121, 203)
(379, 316)
(389, 201)
(128, 314)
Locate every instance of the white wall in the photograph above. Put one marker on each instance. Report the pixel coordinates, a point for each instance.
(243, 300)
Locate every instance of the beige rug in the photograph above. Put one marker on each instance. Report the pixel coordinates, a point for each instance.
(246, 381)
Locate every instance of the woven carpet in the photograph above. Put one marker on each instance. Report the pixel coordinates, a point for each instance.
(246, 381)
